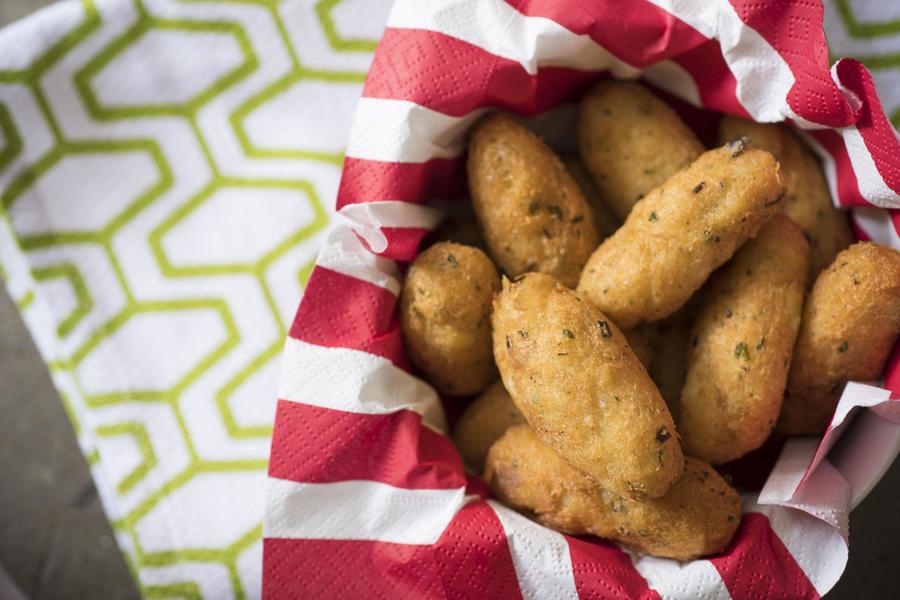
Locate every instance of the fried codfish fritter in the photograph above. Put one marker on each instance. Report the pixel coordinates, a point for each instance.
(493, 412)
(742, 343)
(697, 517)
(572, 375)
(807, 200)
(631, 142)
(445, 308)
(850, 322)
(531, 211)
(483, 422)
(681, 232)
(605, 220)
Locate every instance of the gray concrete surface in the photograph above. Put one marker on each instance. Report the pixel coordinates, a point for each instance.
(55, 541)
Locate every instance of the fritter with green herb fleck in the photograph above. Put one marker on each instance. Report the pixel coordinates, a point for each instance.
(741, 346)
(850, 322)
(681, 232)
(807, 200)
(531, 212)
(577, 382)
(698, 516)
(631, 142)
(445, 317)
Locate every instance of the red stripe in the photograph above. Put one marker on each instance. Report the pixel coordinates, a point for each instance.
(402, 242)
(646, 34)
(374, 181)
(473, 556)
(847, 184)
(895, 219)
(455, 69)
(642, 35)
(876, 131)
(471, 559)
(339, 311)
(338, 569)
(794, 29)
(321, 445)
(757, 565)
(715, 81)
(603, 571)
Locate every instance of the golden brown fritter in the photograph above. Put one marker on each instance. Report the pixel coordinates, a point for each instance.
(807, 200)
(631, 142)
(697, 517)
(445, 317)
(483, 422)
(605, 220)
(742, 343)
(681, 232)
(850, 322)
(573, 376)
(531, 212)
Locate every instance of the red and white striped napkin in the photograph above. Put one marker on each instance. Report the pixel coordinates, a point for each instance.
(366, 495)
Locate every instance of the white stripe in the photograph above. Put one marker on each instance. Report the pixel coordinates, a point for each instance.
(540, 556)
(354, 381)
(871, 185)
(817, 547)
(675, 79)
(789, 470)
(344, 253)
(403, 131)
(877, 224)
(682, 581)
(763, 77)
(500, 29)
(358, 510)
(369, 217)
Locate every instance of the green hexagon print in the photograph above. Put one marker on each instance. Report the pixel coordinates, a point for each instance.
(167, 172)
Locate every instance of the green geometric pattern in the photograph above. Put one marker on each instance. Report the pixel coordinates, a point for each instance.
(869, 30)
(167, 172)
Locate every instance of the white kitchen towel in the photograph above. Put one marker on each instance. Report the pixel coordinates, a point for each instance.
(168, 169)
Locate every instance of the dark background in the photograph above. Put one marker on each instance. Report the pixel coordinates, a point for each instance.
(55, 541)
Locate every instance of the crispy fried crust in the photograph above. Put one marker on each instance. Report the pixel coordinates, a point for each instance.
(742, 343)
(850, 322)
(573, 376)
(807, 200)
(697, 517)
(445, 308)
(631, 142)
(681, 232)
(531, 211)
(483, 422)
